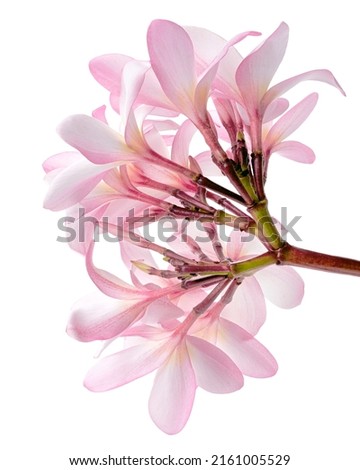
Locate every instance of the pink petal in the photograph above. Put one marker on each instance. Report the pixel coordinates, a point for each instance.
(83, 231)
(144, 142)
(251, 247)
(152, 94)
(256, 71)
(247, 307)
(252, 358)
(72, 184)
(207, 77)
(107, 70)
(98, 317)
(132, 80)
(130, 252)
(225, 110)
(173, 393)
(275, 109)
(295, 151)
(172, 59)
(108, 283)
(133, 135)
(207, 46)
(156, 142)
(61, 160)
(290, 121)
(160, 125)
(94, 139)
(282, 285)
(207, 166)
(161, 311)
(100, 114)
(180, 148)
(214, 370)
(234, 245)
(280, 88)
(188, 299)
(125, 366)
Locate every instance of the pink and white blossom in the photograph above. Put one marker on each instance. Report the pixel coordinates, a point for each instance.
(195, 295)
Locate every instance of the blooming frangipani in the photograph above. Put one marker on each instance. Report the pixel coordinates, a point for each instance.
(193, 300)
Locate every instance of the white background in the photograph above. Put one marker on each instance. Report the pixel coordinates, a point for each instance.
(310, 409)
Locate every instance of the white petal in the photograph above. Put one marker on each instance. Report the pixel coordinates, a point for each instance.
(282, 285)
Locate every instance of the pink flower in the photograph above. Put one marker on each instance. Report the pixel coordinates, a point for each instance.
(172, 57)
(71, 178)
(255, 73)
(195, 299)
(275, 138)
(183, 363)
(188, 350)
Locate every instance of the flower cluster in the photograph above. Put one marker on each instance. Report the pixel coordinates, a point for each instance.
(195, 300)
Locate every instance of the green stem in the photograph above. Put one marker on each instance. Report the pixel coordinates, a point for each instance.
(250, 266)
(267, 232)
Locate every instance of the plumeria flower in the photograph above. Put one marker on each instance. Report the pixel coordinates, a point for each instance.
(275, 138)
(172, 58)
(110, 71)
(255, 73)
(193, 300)
(183, 362)
(71, 178)
(187, 351)
(123, 303)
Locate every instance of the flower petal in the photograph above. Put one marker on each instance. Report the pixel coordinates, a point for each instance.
(282, 285)
(107, 70)
(181, 144)
(247, 308)
(108, 283)
(295, 151)
(72, 184)
(290, 121)
(61, 160)
(98, 317)
(207, 45)
(234, 245)
(173, 393)
(207, 77)
(214, 370)
(100, 114)
(125, 366)
(172, 59)
(96, 140)
(161, 311)
(279, 89)
(207, 165)
(130, 252)
(256, 71)
(152, 94)
(275, 109)
(252, 358)
(131, 82)
(81, 233)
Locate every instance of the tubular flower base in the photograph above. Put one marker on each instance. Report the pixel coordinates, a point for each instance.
(195, 295)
